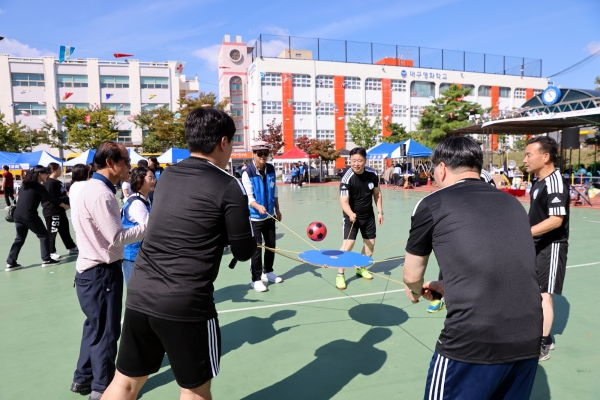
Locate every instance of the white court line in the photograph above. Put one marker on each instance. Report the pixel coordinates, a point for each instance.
(582, 265)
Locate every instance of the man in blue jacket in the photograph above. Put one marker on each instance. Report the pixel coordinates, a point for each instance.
(259, 180)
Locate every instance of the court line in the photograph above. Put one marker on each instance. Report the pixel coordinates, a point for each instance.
(583, 265)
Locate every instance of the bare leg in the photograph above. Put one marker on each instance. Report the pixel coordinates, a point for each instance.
(124, 387)
(347, 245)
(199, 393)
(368, 247)
(548, 309)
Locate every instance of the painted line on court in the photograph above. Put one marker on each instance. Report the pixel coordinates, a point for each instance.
(583, 265)
(309, 301)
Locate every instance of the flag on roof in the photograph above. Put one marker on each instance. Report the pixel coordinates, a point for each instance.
(179, 68)
(65, 52)
(121, 55)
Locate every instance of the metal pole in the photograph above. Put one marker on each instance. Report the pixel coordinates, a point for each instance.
(346, 49)
(464, 61)
(523, 67)
(290, 46)
(397, 55)
(484, 63)
(419, 50)
(504, 65)
(371, 52)
(318, 49)
(442, 58)
(540, 68)
(260, 39)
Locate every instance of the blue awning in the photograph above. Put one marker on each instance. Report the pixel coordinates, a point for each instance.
(382, 151)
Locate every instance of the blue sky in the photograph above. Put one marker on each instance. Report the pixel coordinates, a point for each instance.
(560, 33)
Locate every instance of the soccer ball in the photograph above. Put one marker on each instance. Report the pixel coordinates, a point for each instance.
(316, 231)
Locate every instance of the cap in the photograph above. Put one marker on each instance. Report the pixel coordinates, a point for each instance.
(260, 145)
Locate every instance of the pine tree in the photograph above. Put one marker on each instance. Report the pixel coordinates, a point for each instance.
(397, 133)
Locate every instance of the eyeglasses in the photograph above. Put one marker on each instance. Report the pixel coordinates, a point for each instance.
(151, 177)
(127, 161)
(262, 153)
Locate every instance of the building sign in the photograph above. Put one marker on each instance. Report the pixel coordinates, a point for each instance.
(241, 155)
(424, 74)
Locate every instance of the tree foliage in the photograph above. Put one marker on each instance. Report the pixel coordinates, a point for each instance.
(363, 132)
(303, 143)
(273, 135)
(397, 133)
(85, 128)
(324, 149)
(597, 82)
(17, 138)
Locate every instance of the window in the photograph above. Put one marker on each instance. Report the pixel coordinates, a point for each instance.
(398, 110)
(26, 109)
(238, 138)
(325, 134)
(72, 80)
(472, 87)
(154, 82)
(520, 93)
(152, 106)
(74, 105)
(485, 91)
(325, 81)
(271, 107)
(145, 133)
(325, 108)
(235, 83)
(114, 82)
(347, 136)
(373, 109)
(119, 109)
(271, 79)
(537, 91)
(237, 102)
(505, 92)
(373, 84)
(27, 79)
(302, 107)
(398, 85)
(301, 80)
(124, 137)
(352, 108)
(422, 89)
(415, 111)
(351, 82)
(302, 132)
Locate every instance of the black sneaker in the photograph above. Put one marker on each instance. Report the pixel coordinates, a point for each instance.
(49, 263)
(81, 388)
(13, 267)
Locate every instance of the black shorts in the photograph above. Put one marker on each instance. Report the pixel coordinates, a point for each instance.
(366, 224)
(193, 348)
(551, 263)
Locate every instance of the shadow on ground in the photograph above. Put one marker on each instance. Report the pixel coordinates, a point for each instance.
(562, 308)
(234, 293)
(541, 390)
(378, 314)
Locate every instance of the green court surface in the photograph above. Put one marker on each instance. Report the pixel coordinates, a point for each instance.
(303, 339)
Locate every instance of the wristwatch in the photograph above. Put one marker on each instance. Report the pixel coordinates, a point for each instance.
(380, 212)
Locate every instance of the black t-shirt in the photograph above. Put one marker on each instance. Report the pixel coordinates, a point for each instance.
(30, 196)
(487, 178)
(550, 196)
(56, 189)
(197, 209)
(492, 295)
(359, 188)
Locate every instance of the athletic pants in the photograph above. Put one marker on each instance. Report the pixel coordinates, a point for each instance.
(9, 194)
(59, 225)
(23, 227)
(266, 229)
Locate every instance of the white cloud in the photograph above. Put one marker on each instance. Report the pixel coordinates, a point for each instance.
(593, 47)
(2, 11)
(274, 30)
(209, 55)
(17, 49)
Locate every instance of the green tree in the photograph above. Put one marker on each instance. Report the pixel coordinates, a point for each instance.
(55, 138)
(594, 141)
(273, 135)
(86, 128)
(363, 132)
(397, 133)
(304, 143)
(17, 138)
(597, 82)
(325, 149)
(446, 113)
(520, 144)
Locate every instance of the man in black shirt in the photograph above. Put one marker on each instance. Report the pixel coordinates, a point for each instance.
(490, 342)
(170, 306)
(359, 186)
(549, 219)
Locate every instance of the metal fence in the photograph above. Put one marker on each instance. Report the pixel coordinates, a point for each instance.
(273, 46)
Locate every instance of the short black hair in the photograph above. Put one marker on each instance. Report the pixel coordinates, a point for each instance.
(53, 167)
(205, 127)
(153, 159)
(107, 151)
(5, 168)
(32, 175)
(80, 173)
(547, 145)
(142, 163)
(459, 152)
(358, 150)
(137, 178)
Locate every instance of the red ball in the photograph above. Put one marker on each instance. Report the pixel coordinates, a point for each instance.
(316, 231)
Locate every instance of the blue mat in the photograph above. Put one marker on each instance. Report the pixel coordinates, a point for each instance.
(336, 258)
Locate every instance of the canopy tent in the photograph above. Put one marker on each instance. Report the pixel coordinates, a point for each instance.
(295, 154)
(41, 157)
(86, 157)
(412, 149)
(382, 150)
(10, 159)
(135, 157)
(173, 156)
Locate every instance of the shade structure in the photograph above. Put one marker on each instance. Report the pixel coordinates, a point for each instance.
(295, 154)
(135, 157)
(86, 157)
(173, 155)
(41, 157)
(10, 159)
(382, 151)
(411, 149)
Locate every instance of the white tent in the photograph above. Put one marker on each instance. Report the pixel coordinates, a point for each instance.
(135, 157)
(85, 158)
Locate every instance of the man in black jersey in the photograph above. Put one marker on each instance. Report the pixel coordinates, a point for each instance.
(549, 219)
(170, 306)
(488, 348)
(359, 186)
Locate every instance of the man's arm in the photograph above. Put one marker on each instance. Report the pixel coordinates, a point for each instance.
(345, 202)
(379, 203)
(549, 224)
(250, 193)
(107, 218)
(412, 275)
(237, 222)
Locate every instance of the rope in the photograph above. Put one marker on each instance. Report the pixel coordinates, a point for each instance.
(285, 226)
(388, 259)
(385, 248)
(389, 279)
(348, 238)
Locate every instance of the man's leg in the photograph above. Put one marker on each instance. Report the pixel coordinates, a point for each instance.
(7, 195)
(124, 387)
(269, 235)
(350, 230)
(256, 264)
(548, 310)
(199, 393)
(368, 247)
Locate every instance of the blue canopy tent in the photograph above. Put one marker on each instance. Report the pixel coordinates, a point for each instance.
(173, 155)
(86, 157)
(382, 151)
(41, 157)
(10, 159)
(412, 149)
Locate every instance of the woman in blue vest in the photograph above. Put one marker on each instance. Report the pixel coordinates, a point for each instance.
(136, 210)
(294, 174)
(260, 183)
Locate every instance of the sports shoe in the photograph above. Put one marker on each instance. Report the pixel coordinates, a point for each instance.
(259, 286)
(271, 277)
(13, 267)
(544, 353)
(364, 273)
(55, 256)
(340, 282)
(74, 250)
(551, 346)
(49, 263)
(81, 388)
(435, 306)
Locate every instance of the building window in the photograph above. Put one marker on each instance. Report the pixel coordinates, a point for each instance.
(148, 82)
(347, 136)
(325, 108)
(114, 82)
(373, 84)
(472, 87)
(124, 137)
(373, 109)
(301, 80)
(352, 108)
(422, 89)
(151, 106)
(145, 133)
(271, 79)
(235, 83)
(398, 85)
(485, 91)
(119, 109)
(26, 109)
(302, 132)
(236, 99)
(351, 82)
(325, 134)
(324, 81)
(520, 93)
(74, 105)
(302, 107)
(27, 79)
(398, 110)
(415, 111)
(537, 91)
(271, 107)
(446, 86)
(72, 81)
(238, 138)
(505, 92)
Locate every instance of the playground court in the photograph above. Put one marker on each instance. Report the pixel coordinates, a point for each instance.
(303, 339)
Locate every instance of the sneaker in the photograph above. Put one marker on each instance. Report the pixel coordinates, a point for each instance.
(551, 346)
(364, 273)
(259, 286)
(74, 250)
(55, 256)
(340, 282)
(435, 306)
(271, 277)
(49, 263)
(81, 388)
(13, 267)
(544, 353)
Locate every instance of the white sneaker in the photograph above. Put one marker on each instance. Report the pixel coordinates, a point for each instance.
(271, 277)
(55, 256)
(74, 250)
(259, 286)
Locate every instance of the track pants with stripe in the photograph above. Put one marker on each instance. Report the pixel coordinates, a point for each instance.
(454, 380)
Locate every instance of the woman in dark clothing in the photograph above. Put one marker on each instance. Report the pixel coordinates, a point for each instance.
(55, 215)
(27, 219)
